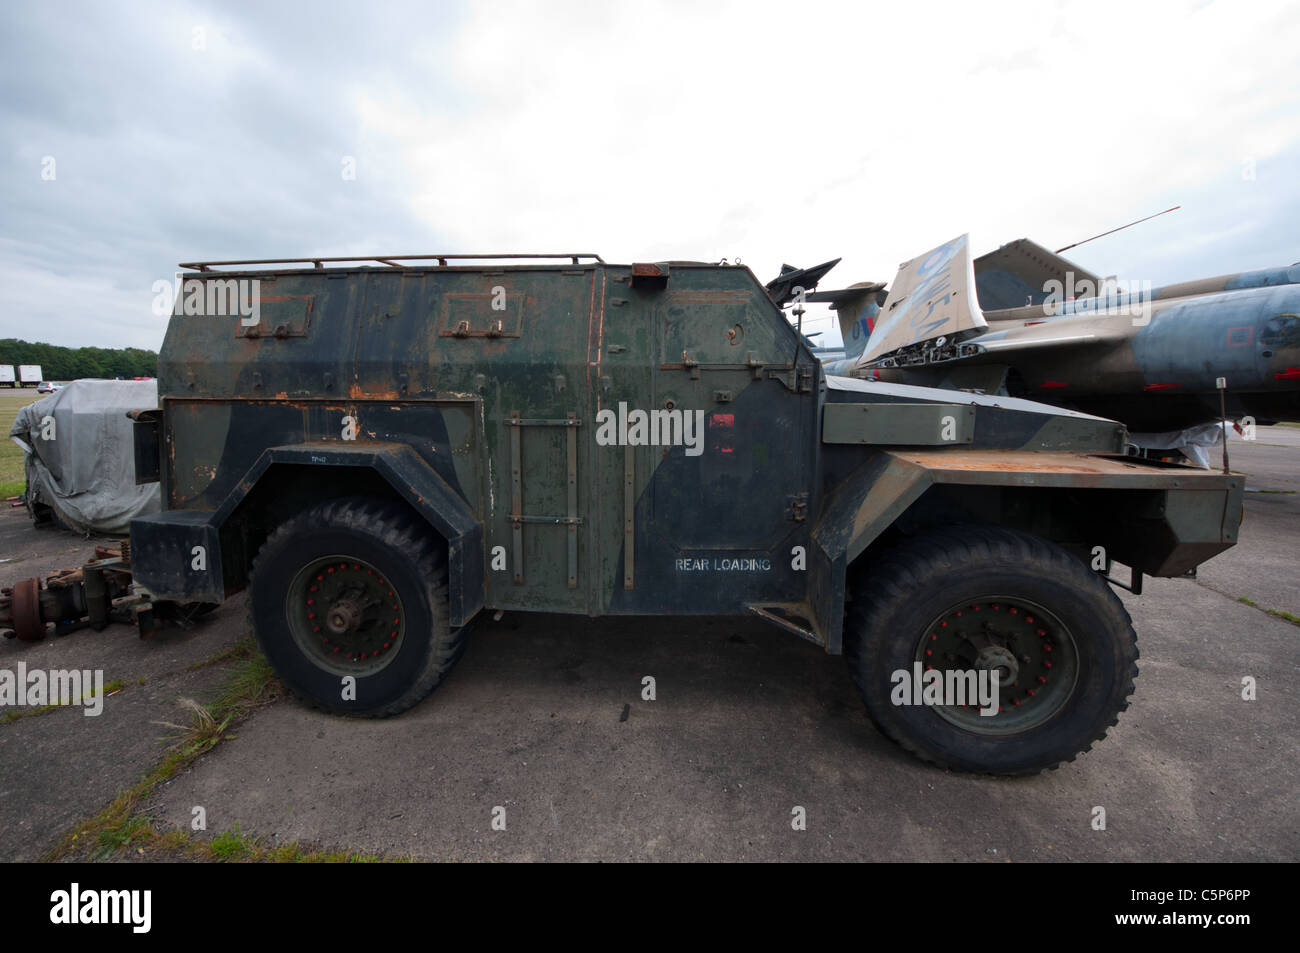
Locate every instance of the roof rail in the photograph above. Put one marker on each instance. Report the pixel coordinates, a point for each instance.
(392, 261)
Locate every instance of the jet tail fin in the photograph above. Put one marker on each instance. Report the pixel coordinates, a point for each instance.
(856, 307)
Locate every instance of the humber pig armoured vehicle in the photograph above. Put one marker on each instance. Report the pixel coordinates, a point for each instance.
(383, 450)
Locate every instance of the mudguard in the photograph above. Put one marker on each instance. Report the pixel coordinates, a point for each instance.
(177, 554)
(1169, 520)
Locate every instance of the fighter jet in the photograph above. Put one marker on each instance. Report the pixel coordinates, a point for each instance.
(1025, 322)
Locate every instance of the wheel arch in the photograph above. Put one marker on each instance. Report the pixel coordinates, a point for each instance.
(285, 481)
(1162, 523)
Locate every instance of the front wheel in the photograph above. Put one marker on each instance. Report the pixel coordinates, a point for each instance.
(989, 650)
(349, 604)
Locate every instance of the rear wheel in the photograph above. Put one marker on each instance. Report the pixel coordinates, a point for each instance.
(349, 604)
(933, 622)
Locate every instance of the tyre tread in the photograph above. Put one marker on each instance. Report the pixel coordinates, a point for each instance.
(909, 567)
(393, 527)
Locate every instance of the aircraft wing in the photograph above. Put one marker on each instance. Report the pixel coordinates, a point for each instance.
(1032, 338)
(1003, 346)
(931, 305)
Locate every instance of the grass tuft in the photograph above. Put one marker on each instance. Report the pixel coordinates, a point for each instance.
(118, 829)
(1277, 613)
(250, 685)
(243, 649)
(9, 717)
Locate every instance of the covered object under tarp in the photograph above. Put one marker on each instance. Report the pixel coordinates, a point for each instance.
(81, 456)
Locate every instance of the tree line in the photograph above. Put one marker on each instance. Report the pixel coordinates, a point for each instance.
(67, 363)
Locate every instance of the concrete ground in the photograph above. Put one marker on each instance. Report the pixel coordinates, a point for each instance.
(748, 724)
(59, 767)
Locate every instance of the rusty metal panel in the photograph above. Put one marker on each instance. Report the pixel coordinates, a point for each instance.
(282, 316)
(1030, 468)
(478, 314)
(209, 444)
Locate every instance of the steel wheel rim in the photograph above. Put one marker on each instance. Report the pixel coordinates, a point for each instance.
(345, 615)
(980, 634)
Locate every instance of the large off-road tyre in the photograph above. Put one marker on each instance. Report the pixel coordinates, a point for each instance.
(355, 588)
(986, 598)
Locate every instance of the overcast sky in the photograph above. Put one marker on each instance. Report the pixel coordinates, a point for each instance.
(790, 132)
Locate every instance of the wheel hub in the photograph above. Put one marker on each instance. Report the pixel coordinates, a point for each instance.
(995, 658)
(343, 616)
(1030, 650)
(346, 614)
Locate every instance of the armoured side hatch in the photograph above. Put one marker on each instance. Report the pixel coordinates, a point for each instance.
(519, 337)
(704, 464)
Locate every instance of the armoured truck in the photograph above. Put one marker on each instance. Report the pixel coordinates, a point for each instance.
(384, 450)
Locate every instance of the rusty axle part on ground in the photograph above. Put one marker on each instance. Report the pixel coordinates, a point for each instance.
(89, 596)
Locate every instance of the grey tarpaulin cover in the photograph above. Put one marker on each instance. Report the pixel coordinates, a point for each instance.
(1195, 443)
(86, 474)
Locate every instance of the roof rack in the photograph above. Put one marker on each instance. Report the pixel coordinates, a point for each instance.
(392, 261)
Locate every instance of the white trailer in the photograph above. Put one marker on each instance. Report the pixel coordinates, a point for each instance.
(29, 374)
(6, 375)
